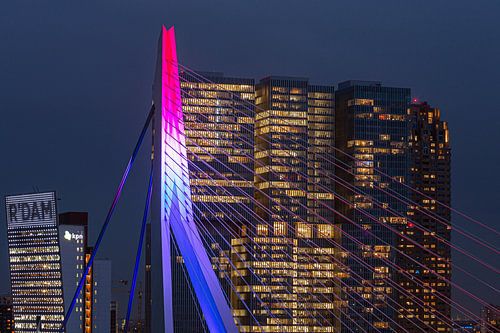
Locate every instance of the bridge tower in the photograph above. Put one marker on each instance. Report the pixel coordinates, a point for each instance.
(172, 213)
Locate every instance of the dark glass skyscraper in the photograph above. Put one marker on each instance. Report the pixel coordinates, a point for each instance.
(430, 176)
(219, 142)
(373, 125)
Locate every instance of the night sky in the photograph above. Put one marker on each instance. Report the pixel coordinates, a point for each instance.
(75, 89)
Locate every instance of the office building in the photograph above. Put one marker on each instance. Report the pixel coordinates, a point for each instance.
(219, 142)
(73, 242)
(6, 315)
(373, 126)
(430, 175)
(35, 261)
(293, 134)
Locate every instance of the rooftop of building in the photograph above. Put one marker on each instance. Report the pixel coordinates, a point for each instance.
(74, 218)
(216, 77)
(364, 83)
(284, 78)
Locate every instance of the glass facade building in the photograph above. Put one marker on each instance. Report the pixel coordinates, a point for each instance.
(35, 262)
(292, 287)
(219, 142)
(372, 125)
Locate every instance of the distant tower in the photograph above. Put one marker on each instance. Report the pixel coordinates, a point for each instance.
(113, 328)
(147, 278)
(140, 322)
(431, 176)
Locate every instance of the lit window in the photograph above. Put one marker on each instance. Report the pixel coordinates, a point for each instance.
(262, 230)
(280, 228)
(325, 231)
(303, 230)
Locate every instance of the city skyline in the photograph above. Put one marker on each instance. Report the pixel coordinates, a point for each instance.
(77, 194)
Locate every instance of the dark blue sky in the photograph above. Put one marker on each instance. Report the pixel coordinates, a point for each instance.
(75, 88)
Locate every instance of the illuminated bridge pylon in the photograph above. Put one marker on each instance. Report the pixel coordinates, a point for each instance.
(172, 207)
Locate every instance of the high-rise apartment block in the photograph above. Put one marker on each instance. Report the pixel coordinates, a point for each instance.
(430, 153)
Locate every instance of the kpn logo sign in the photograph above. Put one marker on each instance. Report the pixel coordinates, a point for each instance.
(31, 209)
(69, 236)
